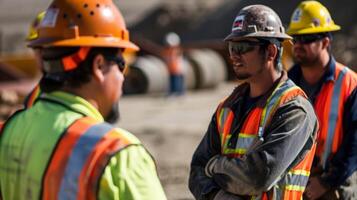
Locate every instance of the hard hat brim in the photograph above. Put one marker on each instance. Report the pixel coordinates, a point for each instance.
(85, 41)
(313, 30)
(236, 36)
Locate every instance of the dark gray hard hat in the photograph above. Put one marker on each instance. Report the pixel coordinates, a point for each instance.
(257, 21)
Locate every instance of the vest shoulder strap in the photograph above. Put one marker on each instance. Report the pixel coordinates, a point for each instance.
(285, 92)
(334, 111)
(79, 159)
(1, 125)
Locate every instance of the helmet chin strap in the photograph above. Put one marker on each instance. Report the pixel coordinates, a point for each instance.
(54, 69)
(72, 61)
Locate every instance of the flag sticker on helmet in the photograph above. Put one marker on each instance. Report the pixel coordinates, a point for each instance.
(238, 23)
(296, 15)
(50, 18)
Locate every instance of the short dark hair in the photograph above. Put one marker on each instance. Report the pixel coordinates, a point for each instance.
(278, 43)
(74, 78)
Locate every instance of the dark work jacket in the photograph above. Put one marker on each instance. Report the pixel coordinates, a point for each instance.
(292, 121)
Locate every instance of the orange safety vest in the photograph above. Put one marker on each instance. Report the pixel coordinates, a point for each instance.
(172, 59)
(329, 108)
(78, 161)
(292, 184)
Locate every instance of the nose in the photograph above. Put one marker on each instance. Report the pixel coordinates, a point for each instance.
(235, 56)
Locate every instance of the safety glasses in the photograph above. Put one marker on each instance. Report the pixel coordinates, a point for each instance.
(118, 60)
(242, 47)
(307, 39)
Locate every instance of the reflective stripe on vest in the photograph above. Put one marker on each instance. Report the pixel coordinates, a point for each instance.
(274, 100)
(225, 117)
(79, 160)
(1, 126)
(334, 110)
(292, 184)
(31, 98)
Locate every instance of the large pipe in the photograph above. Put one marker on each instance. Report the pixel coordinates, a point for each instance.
(209, 67)
(148, 74)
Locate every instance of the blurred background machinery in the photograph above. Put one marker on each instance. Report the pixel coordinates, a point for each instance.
(201, 25)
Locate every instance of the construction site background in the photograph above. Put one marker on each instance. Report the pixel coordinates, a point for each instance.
(170, 127)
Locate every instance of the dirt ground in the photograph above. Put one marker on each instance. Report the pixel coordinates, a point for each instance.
(171, 128)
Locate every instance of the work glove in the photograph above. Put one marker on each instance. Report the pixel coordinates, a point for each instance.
(222, 195)
(210, 166)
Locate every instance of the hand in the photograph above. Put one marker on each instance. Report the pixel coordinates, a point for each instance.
(222, 195)
(315, 189)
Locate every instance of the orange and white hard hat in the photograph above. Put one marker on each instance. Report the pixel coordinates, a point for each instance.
(83, 23)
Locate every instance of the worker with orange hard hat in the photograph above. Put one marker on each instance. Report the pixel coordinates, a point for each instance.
(61, 147)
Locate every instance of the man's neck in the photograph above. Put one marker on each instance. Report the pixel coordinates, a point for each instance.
(83, 93)
(263, 83)
(314, 72)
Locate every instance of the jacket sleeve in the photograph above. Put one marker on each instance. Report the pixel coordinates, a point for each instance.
(131, 174)
(344, 163)
(200, 184)
(290, 135)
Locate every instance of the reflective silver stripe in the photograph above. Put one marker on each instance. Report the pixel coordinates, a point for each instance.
(333, 115)
(77, 160)
(223, 117)
(296, 180)
(278, 194)
(272, 102)
(245, 142)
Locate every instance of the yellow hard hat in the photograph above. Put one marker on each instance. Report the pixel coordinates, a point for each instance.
(311, 17)
(33, 32)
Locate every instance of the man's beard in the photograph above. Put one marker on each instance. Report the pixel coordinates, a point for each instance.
(242, 77)
(114, 114)
(306, 62)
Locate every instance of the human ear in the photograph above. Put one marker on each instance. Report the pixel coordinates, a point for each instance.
(272, 52)
(326, 42)
(98, 66)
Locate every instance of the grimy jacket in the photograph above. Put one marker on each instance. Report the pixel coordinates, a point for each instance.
(287, 138)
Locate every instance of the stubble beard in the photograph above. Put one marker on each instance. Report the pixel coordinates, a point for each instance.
(242, 77)
(305, 61)
(114, 114)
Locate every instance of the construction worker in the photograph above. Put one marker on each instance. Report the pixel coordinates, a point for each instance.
(61, 148)
(260, 141)
(172, 55)
(331, 88)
